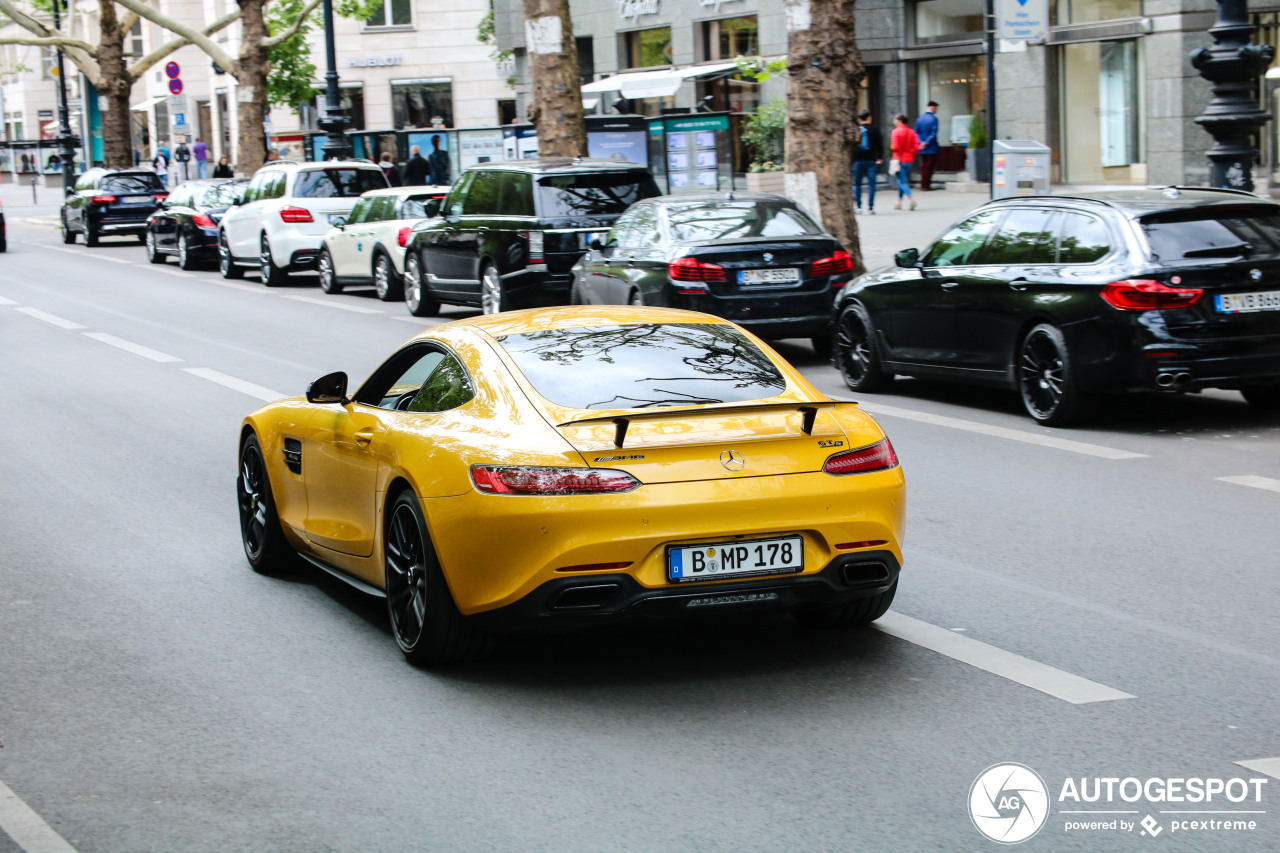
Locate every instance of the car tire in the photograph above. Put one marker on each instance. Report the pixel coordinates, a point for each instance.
(386, 284)
(416, 299)
(1047, 379)
(856, 353)
(68, 236)
(855, 614)
(575, 295)
(272, 275)
(142, 238)
(491, 296)
(226, 265)
(153, 255)
(823, 344)
(264, 544)
(636, 299)
(1264, 398)
(424, 619)
(186, 258)
(324, 268)
(90, 235)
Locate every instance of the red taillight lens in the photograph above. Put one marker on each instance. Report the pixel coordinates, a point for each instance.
(840, 262)
(692, 269)
(202, 220)
(1147, 295)
(402, 236)
(160, 196)
(295, 214)
(103, 199)
(528, 480)
(876, 457)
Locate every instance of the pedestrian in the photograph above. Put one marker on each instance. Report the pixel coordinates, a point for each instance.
(389, 170)
(927, 132)
(904, 144)
(182, 156)
(867, 158)
(200, 152)
(439, 161)
(417, 169)
(26, 163)
(223, 169)
(272, 155)
(137, 158)
(160, 163)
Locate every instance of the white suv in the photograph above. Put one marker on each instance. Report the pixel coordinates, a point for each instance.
(285, 212)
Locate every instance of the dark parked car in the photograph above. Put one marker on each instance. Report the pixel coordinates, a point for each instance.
(186, 223)
(1066, 298)
(510, 232)
(105, 202)
(753, 258)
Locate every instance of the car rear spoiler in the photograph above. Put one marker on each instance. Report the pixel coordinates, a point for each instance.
(621, 423)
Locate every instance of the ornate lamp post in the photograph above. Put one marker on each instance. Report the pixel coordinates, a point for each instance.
(66, 139)
(1233, 116)
(334, 123)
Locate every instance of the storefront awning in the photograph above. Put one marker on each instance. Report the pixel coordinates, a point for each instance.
(656, 84)
(147, 104)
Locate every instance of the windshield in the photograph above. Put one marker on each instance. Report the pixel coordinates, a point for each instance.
(593, 194)
(338, 183)
(221, 196)
(1213, 233)
(737, 220)
(121, 184)
(644, 366)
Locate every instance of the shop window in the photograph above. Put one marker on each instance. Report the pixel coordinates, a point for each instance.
(391, 13)
(506, 110)
(1100, 105)
(645, 48)
(729, 37)
(351, 101)
(652, 106)
(948, 20)
(1088, 11)
(959, 85)
(731, 94)
(422, 103)
(586, 58)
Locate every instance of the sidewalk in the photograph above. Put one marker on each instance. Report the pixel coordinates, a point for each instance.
(18, 206)
(890, 231)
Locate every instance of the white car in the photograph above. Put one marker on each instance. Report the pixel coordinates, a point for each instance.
(369, 245)
(285, 212)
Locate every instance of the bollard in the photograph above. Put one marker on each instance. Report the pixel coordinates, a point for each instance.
(33, 189)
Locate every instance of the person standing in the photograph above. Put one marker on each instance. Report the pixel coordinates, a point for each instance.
(182, 156)
(389, 170)
(927, 132)
(439, 161)
(223, 169)
(200, 152)
(160, 163)
(417, 169)
(867, 158)
(904, 144)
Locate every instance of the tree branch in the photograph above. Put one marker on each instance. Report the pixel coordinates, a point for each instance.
(55, 41)
(292, 30)
(193, 36)
(137, 69)
(127, 22)
(84, 59)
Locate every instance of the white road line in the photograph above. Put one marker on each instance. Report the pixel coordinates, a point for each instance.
(113, 260)
(333, 303)
(1002, 432)
(237, 286)
(4, 301)
(1255, 481)
(50, 318)
(27, 828)
(1269, 766)
(264, 394)
(168, 270)
(64, 249)
(1029, 673)
(130, 346)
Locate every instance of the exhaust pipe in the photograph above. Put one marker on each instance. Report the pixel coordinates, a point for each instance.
(1165, 380)
(1180, 379)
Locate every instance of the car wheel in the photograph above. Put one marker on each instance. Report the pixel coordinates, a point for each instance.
(272, 275)
(575, 294)
(1047, 380)
(855, 614)
(855, 351)
(68, 236)
(142, 238)
(637, 299)
(386, 283)
(424, 619)
(186, 260)
(1264, 398)
(152, 255)
(225, 265)
(90, 235)
(324, 267)
(264, 542)
(490, 290)
(416, 298)
(823, 344)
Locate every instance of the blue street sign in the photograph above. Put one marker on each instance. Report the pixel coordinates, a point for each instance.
(179, 119)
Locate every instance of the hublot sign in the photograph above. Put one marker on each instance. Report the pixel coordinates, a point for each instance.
(373, 61)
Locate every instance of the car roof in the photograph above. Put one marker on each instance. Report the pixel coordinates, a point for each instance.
(556, 165)
(296, 166)
(443, 190)
(103, 173)
(1142, 201)
(710, 197)
(575, 316)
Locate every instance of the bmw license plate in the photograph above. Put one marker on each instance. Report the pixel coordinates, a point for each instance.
(137, 199)
(1244, 303)
(790, 275)
(743, 559)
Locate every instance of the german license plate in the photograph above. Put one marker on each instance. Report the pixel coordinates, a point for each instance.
(748, 558)
(137, 199)
(789, 275)
(1244, 303)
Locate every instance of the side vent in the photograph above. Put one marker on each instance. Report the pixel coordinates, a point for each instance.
(293, 454)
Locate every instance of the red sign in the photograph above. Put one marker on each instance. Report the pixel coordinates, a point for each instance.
(172, 70)
(175, 86)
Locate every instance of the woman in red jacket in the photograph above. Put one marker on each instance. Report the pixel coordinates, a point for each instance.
(904, 144)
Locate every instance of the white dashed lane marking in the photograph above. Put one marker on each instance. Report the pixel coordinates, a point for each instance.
(27, 828)
(114, 260)
(329, 303)
(130, 346)
(4, 301)
(257, 391)
(52, 319)
(1253, 481)
(1267, 766)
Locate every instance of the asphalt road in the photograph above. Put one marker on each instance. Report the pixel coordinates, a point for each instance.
(1089, 603)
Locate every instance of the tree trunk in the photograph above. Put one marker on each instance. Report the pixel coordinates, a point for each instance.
(117, 87)
(556, 110)
(251, 73)
(825, 68)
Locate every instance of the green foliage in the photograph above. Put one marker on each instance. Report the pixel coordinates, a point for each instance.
(292, 71)
(486, 34)
(977, 131)
(765, 131)
(759, 69)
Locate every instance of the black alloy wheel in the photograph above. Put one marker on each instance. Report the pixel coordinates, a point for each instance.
(416, 298)
(264, 542)
(855, 614)
(855, 352)
(272, 275)
(226, 265)
(68, 236)
(90, 235)
(386, 284)
(186, 258)
(153, 255)
(1264, 398)
(1047, 380)
(637, 299)
(324, 268)
(424, 619)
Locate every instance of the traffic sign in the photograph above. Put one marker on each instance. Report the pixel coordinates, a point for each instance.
(179, 119)
(172, 70)
(177, 105)
(175, 86)
(1022, 20)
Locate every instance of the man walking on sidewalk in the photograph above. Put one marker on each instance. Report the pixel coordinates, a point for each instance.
(927, 130)
(200, 152)
(867, 157)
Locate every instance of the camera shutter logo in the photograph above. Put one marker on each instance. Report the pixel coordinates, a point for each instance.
(1008, 803)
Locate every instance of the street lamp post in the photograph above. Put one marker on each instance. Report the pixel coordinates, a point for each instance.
(66, 139)
(334, 123)
(1233, 116)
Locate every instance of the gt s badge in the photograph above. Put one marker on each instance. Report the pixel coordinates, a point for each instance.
(831, 442)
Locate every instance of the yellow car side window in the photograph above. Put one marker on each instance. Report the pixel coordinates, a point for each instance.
(447, 388)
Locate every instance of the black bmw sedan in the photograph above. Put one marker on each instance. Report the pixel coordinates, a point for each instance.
(754, 258)
(1066, 298)
(186, 223)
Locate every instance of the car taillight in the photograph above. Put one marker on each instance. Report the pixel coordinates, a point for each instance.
(530, 480)
(692, 269)
(875, 457)
(202, 220)
(537, 254)
(103, 199)
(295, 214)
(160, 196)
(839, 262)
(1142, 294)
(402, 236)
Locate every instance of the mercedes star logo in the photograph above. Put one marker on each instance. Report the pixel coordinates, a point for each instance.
(733, 460)
(768, 257)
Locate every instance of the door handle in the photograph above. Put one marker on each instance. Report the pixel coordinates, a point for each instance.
(948, 285)
(364, 436)
(482, 230)
(1019, 284)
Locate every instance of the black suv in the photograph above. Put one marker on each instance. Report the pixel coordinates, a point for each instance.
(105, 202)
(510, 232)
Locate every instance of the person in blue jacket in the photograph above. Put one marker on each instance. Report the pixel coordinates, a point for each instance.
(927, 130)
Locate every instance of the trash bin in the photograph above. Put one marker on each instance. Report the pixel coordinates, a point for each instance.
(1021, 168)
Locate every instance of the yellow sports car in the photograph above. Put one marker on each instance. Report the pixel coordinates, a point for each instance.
(575, 466)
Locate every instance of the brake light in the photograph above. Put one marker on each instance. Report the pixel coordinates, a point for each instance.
(530, 480)
(839, 262)
(1142, 294)
(202, 220)
(537, 254)
(160, 196)
(692, 269)
(875, 457)
(402, 236)
(295, 214)
(103, 199)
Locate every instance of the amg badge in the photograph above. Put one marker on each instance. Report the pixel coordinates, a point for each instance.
(619, 458)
